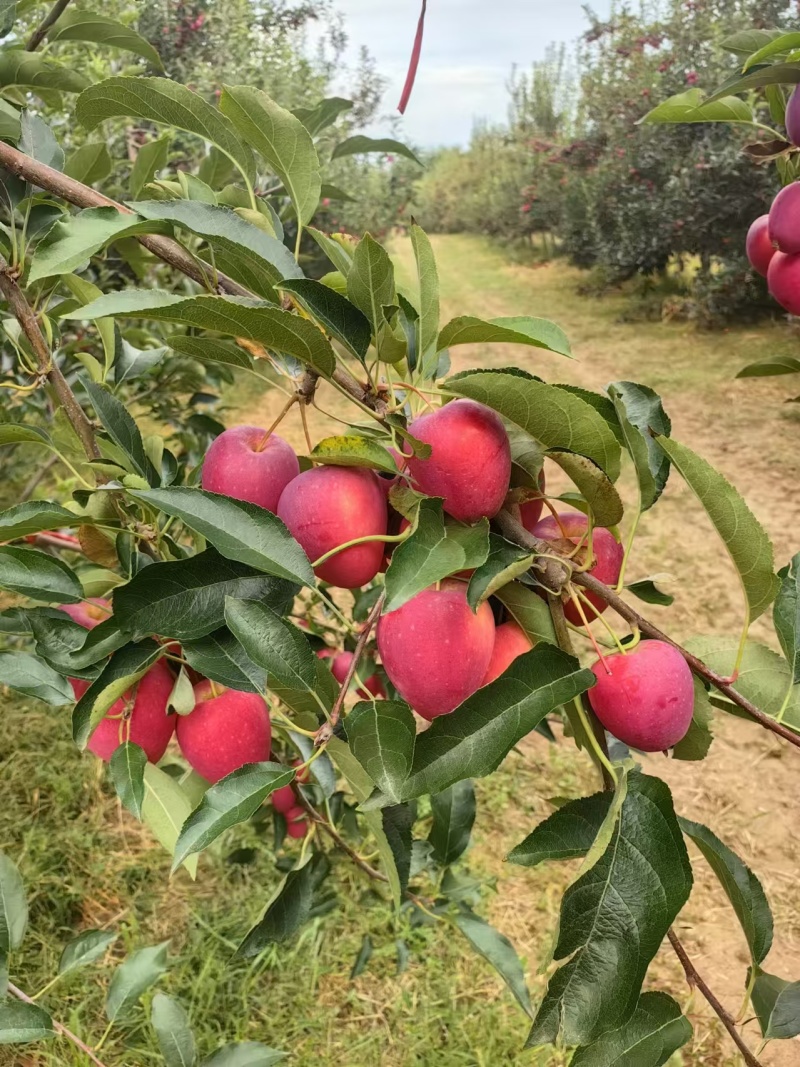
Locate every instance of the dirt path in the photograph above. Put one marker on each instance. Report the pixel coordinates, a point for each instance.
(747, 788)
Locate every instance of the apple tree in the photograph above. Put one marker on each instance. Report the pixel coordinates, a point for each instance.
(342, 641)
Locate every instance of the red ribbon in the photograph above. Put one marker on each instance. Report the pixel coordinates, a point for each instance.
(412, 66)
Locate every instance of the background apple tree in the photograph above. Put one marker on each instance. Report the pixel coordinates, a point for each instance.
(401, 549)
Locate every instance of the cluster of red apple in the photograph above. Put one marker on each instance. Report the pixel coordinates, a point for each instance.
(434, 649)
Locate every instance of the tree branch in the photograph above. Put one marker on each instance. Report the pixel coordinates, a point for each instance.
(47, 22)
(335, 836)
(48, 368)
(325, 731)
(59, 1027)
(727, 1020)
(517, 533)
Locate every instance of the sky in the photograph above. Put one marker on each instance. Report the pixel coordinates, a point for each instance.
(468, 51)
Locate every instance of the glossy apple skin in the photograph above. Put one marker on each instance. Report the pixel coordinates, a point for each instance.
(783, 279)
(759, 246)
(605, 548)
(648, 698)
(150, 726)
(792, 118)
(329, 506)
(89, 613)
(784, 219)
(283, 799)
(296, 824)
(531, 510)
(224, 732)
(510, 641)
(237, 465)
(435, 650)
(470, 461)
(373, 686)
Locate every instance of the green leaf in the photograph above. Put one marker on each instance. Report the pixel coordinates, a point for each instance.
(453, 813)
(150, 159)
(165, 809)
(209, 350)
(99, 29)
(33, 516)
(125, 667)
(20, 1023)
(398, 820)
(8, 15)
(517, 330)
(594, 486)
(134, 976)
(353, 451)
(324, 114)
(568, 833)
(12, 433)
(776, 1003)
(220, 657)
(58, 638)
(363, 957)
(741, 886)
(27, 674)
(232, 800)
(288, 910)
(277, 646)
(696, 742)
(773, 365)
(71, 241)
(786, 615)
(168, 103)
(38, 576)
(30, 70)
(505, 562)
(498, 951)
(337, 315)
(87, 947)
(239, 530)
(557, 418)
(281, 139)
(370, 281)
(471, 741)
(360, 145)
(613, 919)
(13, 906)
(427, 327)
(529, 611)
(691, 106)
(745, 42)
(89, 164)
(647, 590)
(251, 256)
(339, 255)
(744, 537)
(655, 1031)
(127, 773)
(778, 74)
(435, 549)
(639, 411)
(245, 1054)
(121, 428)
(235, 316)
(174, 1033)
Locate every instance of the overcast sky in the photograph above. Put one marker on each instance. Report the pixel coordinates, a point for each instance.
(467, 54)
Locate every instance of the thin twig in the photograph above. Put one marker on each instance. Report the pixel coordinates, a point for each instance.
(34, 481)
(47, 22)
(325, 731)
(517, 533)
(59, 1027)
(335, 836)
(727, 1020)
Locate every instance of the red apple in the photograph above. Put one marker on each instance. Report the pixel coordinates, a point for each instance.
(89, 613)
(242, 464)
(283, 799)
(435, 650)
(530, 510)
(606, 550)
(150, 726)
(648, 698)
(328, 506)
(296, 824)
(759, 246)
(373, 686)
(510, 641)
(470, 461)
(784, 219)
(792, 118)
(226, 730)
(783, 279)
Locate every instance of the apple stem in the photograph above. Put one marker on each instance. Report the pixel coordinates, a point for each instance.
(598, 616)
(268, 433)
(582, 613)
(390, 538)
(628, 546)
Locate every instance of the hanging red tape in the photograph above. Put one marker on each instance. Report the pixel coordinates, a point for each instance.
(412, 66)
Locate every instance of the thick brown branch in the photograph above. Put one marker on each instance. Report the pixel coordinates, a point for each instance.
(59, 1027)
(519, 535)
(727, 1020)
(44, 26)
(48, 368)
(552, 573)
(325, 731)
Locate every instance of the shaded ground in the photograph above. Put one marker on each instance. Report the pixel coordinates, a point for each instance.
(93, 865)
